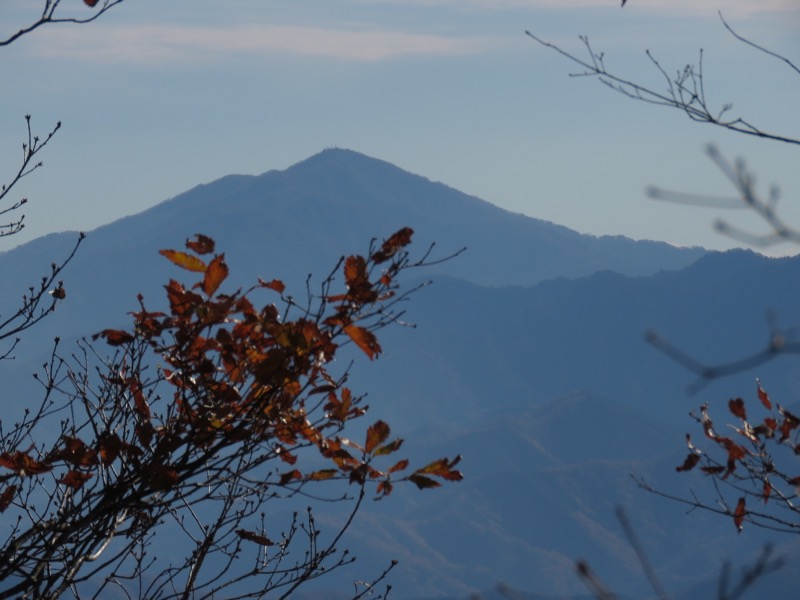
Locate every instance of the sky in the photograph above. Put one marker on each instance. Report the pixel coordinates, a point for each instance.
(156, 97)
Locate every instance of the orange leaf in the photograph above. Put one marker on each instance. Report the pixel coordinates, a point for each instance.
(364, 339)
(216, 273)
(185, 261)
(376, 434)
(399, 466)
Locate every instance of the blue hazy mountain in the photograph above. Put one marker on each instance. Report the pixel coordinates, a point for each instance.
(528, 357)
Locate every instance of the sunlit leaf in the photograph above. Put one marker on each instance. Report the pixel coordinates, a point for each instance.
(364, 339)
(216, 273)
(184, 260)
(323, 474)
(399, 466)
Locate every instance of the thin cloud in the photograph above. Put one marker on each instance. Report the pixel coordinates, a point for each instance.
(164, 43)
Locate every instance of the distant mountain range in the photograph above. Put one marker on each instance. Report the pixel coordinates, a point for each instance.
(528, 358)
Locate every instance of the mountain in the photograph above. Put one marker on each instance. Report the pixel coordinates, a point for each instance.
(290, 223)
(528, 358)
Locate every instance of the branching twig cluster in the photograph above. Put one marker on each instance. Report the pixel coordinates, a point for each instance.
(49, 16)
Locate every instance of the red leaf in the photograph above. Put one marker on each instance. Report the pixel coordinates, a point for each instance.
(254, 537)
(390, 247)
(75, 479)
(7, 496)
(738, 514)
(691, 461)
(767, 490)
(114, 337)
(201, 244)
(364, 339)
(275, 284)
(160, 477)
(762, 395)
(289, 475)
(91, 3)
(376, 434)
(443, 468)
(22, 464)
(216, 273)
(737, 408)
(185, 261)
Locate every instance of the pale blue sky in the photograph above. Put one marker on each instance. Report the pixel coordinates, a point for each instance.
(158, 96)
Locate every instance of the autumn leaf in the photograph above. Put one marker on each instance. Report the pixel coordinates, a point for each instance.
(201, 244)
(160, 477)
(364, 339)
(216, 273)
(91, 3)
(22, 464)
(423, 482)
(7, 497)
(767, 490)
(184, 260)
(391, 246)
(289, 476)
(323, 474)
(691, 461)
(389, 448)
(376, 434)
(763, 396)
(75, 479)
(738, 515)
(399, 466)
(275, 284)
(737, 408)
(254, 537)
(114, 337)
